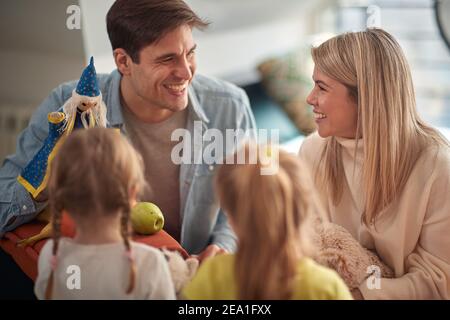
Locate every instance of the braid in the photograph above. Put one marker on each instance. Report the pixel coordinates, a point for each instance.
(56, 221)
(125, 235)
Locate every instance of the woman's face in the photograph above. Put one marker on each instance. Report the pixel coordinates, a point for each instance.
(335, 111)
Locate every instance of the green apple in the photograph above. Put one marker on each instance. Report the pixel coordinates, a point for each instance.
(146, 218)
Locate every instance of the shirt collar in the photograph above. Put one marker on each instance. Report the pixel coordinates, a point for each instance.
(195, 104)
(352, 146)
(114, 113)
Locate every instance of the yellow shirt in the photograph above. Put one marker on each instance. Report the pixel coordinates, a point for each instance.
(215, 280)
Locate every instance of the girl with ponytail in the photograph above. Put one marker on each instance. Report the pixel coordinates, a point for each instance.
(95, 179)
(269, 214)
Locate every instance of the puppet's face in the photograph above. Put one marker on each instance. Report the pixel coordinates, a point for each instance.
(87, 104)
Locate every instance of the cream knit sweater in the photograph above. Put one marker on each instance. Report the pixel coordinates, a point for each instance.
(412, 236)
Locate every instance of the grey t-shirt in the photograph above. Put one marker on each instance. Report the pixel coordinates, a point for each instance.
(153, 141)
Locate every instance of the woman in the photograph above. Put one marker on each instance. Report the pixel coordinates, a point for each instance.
(378, 169)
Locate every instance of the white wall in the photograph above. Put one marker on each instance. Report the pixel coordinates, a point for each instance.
(234, 54)
(95, 37)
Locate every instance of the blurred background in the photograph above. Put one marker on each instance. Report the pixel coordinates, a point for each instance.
(260, 45)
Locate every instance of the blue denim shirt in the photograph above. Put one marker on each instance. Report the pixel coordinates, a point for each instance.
(217, 104)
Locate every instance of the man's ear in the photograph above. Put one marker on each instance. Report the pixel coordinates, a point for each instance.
(123, 61)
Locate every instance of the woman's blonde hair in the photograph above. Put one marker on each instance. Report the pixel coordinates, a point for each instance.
(269, 214)
(94, 173)
(372, 66)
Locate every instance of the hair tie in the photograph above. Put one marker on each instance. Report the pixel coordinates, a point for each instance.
(53, 262)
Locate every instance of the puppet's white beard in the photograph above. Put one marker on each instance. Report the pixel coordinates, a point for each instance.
(98, 112)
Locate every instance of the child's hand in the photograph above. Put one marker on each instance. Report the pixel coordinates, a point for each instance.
(210, 251)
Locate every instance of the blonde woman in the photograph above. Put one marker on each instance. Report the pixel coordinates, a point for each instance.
(378, 169)
(269, 214)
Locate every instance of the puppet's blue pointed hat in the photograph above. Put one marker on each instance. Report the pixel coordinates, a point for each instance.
(88, 85)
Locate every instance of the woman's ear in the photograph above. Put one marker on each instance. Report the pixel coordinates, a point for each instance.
(123, 61)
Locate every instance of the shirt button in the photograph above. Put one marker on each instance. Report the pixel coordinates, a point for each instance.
(211, 168)
(24, 207)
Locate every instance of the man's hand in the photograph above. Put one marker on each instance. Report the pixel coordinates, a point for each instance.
(210, 251)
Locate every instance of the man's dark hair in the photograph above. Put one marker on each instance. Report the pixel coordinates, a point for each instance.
(135, 24)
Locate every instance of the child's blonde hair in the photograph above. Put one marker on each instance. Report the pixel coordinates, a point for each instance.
(269, 214)
(93, 174)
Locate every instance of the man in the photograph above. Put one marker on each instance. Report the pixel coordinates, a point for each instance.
(152, 93)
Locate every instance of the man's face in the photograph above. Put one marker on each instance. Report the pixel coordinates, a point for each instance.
(165, 70)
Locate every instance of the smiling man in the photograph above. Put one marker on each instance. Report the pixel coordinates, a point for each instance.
(153, 92)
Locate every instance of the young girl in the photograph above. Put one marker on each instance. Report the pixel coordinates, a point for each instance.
(95, 179)
(269, 215)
